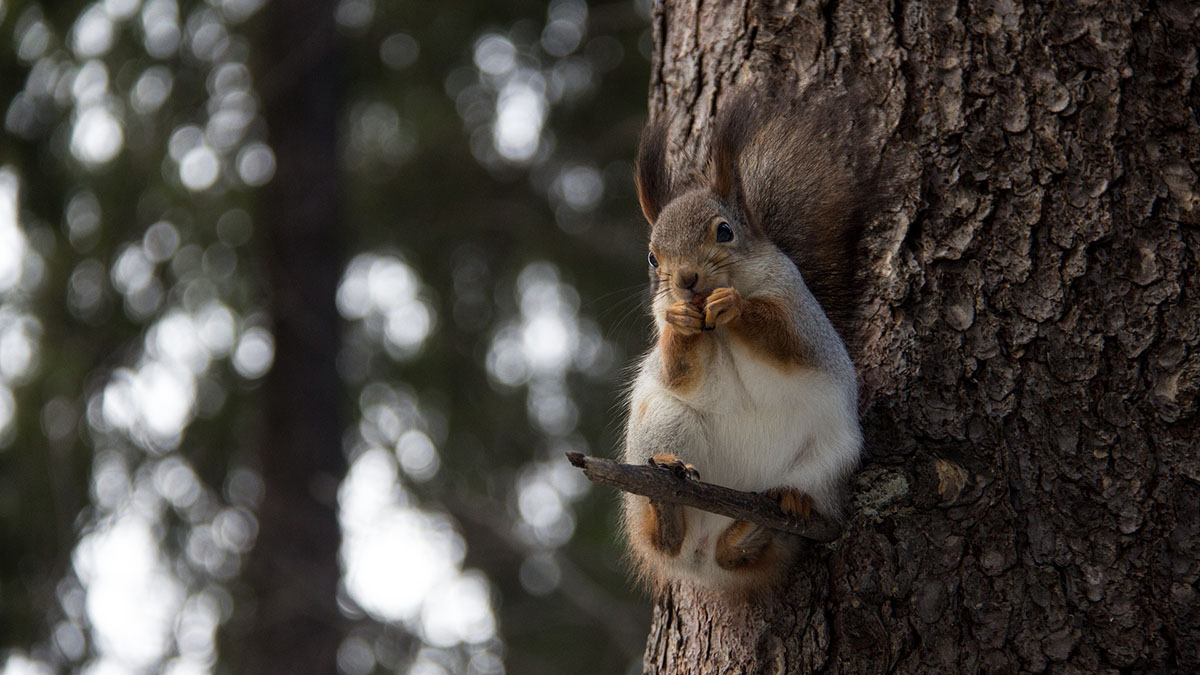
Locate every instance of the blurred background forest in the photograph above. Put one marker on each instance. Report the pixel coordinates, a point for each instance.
(170, 226)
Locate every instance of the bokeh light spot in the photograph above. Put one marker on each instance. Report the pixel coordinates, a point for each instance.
(399, 51)
(255, 353)
(12, 240)
(256, 164)
(520, 113)
(199, 168)
(355, 14)
(151, 90)
(92, 34)
(417, 456)
(97, 136)
(132, 597)
(495, 54)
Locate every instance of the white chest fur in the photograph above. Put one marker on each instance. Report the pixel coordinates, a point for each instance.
(749, 425)
(768, 426)
(752, 425)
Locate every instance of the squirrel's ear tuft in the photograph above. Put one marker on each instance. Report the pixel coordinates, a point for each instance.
(734, 126)
(650, 173)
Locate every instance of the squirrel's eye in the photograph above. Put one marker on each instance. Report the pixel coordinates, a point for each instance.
(724, 232)
(653, 260)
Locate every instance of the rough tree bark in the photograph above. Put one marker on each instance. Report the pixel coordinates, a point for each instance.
(1031, 357)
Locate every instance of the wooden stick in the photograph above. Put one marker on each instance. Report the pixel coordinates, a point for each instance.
(664, 485)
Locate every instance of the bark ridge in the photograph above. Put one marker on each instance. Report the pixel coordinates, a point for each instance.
(1031, 350)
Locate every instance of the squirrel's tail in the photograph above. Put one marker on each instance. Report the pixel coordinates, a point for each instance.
(810, 186)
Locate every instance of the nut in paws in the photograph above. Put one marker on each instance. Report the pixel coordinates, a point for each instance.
(722, 306)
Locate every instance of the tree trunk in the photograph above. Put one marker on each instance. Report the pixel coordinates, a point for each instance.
(1031, 495)
(296, 626)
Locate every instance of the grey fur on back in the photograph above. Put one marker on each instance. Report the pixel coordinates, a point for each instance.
(809, 188)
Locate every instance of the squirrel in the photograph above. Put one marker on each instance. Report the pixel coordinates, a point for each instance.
(749, 382)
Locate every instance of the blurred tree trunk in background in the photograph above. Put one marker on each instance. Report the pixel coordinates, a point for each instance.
(293, 570)
(1031, 360)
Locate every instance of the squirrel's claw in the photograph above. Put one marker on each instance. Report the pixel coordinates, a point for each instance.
(675, 465)
(792, 501)
(722, 306)
(686, 318)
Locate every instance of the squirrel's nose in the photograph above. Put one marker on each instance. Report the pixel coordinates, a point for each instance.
(687, 280)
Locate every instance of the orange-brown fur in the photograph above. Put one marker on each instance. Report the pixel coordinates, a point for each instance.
(683, 358)
(765, 327)
(757, 553)
(663, 526)
(793, 502)
(642, 409)
(742, 545)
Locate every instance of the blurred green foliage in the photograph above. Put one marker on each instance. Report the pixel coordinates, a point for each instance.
(485, 148)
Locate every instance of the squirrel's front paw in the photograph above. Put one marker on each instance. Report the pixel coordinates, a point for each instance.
(792, 501)
(723, 305)
(674, 464)
(685, 317)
